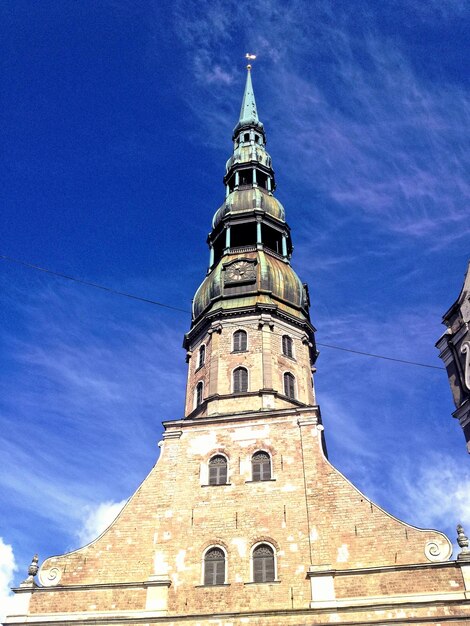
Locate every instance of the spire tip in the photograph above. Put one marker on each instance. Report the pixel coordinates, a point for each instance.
(249, 57)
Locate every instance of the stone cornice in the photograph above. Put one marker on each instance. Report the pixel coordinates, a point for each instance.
(322, 570)
(237, 417)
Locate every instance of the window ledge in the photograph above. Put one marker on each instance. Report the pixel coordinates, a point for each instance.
(199, 367)
(217, 485)
(239, 351)
(268, 582)
(209, 586)
(291, 358)
(267, 480)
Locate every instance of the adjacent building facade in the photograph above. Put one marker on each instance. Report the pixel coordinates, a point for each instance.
(454, 347)
(243, 520)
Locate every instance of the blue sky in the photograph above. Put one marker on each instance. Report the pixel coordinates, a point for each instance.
(117, 119)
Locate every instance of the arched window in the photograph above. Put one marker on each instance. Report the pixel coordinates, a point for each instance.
(240, 380)
(239, 341)
(289, 385)
(287, 346)
(214, 567)
(218, 470)
(199, 392)
(261, 466)
(263, 564)
(202, 356)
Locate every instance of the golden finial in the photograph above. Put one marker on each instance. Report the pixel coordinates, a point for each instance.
(249, 57)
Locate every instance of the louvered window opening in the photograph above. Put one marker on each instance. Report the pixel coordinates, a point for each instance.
(239, 341)
(287, 346)
(202, 356)
(218, 470)
(263, 564)
(214, 567)
(240, 380)
(199, 391)
(261, 466)
(289, 385)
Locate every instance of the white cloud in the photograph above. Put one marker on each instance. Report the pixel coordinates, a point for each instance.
(97, 518)
(436, 491)
(7, 569)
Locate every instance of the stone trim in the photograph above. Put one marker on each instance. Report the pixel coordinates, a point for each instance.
(326, 570)
(234, 417)
(123, 617)
(151, 582)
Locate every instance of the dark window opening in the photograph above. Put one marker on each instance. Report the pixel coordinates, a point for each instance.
(287, 346)
(263, 564)
(199, 393)
(239, 341)
(272, 239)
(289, 385)
(219, 246)
(246, 137)
(218, 470)
(245, 177)
(240, 380)
(202, 356)
(262, 179)
(231, 183)
(243, 235)
(261, 466)
(214, 567)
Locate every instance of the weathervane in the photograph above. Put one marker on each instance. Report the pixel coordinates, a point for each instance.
(249, 57)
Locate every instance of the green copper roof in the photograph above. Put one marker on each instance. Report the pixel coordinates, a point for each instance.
(248, 112)
(276, 283)
(247, 201)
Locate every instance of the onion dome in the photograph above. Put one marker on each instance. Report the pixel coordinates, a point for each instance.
(248, 279)
(244, 201)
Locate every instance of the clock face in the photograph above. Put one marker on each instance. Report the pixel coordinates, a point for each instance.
(241, 271)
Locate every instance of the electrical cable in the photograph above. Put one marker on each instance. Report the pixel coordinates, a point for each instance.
(89, 284)
(174, 308)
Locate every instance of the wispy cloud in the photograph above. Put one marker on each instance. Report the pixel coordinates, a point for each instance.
(97, 518)
(89, 382)
(352, 115)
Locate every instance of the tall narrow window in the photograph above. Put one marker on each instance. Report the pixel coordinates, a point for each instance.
(239, 341)
(263, 564)
(289, 385)
(261, 466)
(240, 380)
(214, 567)
(287, 346)
(199, 393)
(202, 356)
(218, 470)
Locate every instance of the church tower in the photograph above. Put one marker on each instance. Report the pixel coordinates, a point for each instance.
(251, 345)
(243, 520)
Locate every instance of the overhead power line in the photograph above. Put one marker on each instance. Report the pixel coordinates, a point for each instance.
(89, 284)
(174, 308)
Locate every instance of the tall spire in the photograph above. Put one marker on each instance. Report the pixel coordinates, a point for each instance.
(248, 111)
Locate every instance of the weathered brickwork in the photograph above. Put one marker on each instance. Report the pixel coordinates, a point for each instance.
(314, 518)
(263, 359)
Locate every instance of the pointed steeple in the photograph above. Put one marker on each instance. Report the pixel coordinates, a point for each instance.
(248, 111)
